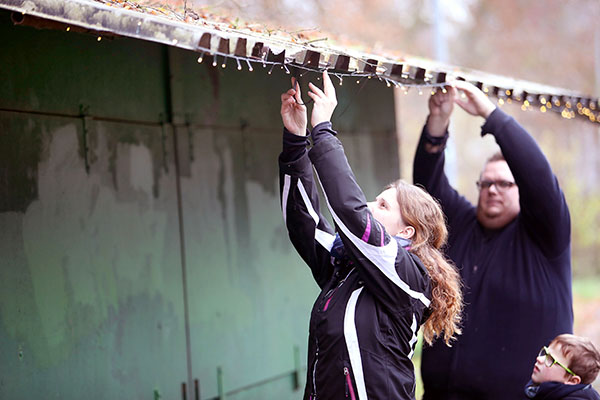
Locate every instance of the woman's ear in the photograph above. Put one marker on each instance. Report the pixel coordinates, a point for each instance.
(407, 232)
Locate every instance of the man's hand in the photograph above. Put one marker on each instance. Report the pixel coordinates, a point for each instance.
(293, 110)
(325, 101)
(440, 108)
(475, 102)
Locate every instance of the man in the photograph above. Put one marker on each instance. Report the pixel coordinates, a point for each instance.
(512, 251)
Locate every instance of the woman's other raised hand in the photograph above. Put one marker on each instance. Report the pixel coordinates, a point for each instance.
(325, 101)
(293, 110)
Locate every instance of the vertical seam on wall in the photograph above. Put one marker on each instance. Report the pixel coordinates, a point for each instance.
(169, 116)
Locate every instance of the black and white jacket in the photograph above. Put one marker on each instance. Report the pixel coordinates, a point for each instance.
(363, 326)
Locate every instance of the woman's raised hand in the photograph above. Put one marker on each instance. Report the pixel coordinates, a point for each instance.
(293, 110)
(325, 101)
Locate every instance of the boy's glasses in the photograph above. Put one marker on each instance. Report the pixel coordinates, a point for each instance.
(501, 186)
(550, 361)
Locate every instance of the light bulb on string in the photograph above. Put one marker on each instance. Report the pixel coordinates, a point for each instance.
(224, 64)
(239, 66)
(420, 92)
(249, 66)
(287, 71)
(201, 58)
(500, 101)
(271, 69)
(214, 63)
(543, 109)
(68, 28)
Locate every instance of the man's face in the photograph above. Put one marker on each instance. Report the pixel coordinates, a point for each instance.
(497, 206)
(542, 373)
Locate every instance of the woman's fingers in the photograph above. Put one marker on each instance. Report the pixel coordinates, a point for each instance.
(314, 89)
(328, 87)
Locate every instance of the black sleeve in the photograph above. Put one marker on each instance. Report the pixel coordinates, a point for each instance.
(544, 209)
(388, 270)
(428, 171)
(309, 232)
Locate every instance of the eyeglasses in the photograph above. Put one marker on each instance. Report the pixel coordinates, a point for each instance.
(550, 361)
(501, 186)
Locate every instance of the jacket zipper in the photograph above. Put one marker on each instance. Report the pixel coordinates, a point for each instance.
(331, 292)
(314, 374)
(349, 388)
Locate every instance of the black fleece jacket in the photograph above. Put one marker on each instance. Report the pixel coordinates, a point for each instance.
(517, 279)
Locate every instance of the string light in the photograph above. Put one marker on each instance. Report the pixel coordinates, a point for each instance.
(99, 38)
(545, 101)
(68, 28)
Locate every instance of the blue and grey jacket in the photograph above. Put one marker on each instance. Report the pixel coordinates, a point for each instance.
(374, 293)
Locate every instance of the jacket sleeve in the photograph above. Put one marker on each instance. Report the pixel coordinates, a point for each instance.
(309, 232)
(428, 171)
(388, 271)
(544, 210)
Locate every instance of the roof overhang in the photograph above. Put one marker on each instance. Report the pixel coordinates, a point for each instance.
(217, 41)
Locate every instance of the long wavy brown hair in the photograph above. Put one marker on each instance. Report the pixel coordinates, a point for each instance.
(421, 211)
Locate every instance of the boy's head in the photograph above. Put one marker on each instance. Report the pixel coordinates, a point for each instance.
(568, 359)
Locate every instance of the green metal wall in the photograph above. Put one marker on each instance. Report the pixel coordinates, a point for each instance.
(109, 254)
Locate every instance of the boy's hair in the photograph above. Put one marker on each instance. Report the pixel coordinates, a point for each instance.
(584, 357)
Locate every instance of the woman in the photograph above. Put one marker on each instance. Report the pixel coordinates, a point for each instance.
(381, 277)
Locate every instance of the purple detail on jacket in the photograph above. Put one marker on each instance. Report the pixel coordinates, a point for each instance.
(365, 236)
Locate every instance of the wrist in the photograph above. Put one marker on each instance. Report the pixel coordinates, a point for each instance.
(437, 125)
(488, 110)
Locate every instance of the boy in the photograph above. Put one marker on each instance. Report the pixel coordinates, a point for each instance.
(565, 370)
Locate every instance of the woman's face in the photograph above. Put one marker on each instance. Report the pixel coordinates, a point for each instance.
(386, 210)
